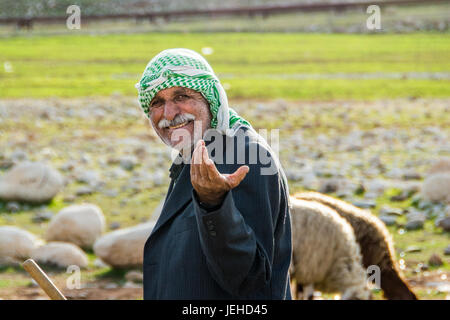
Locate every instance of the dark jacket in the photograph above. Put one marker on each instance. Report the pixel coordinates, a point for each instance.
(238, 250)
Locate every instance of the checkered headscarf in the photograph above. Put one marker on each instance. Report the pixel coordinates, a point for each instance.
(186, 68)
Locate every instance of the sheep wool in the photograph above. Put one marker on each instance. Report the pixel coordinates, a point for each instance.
(325, 252)
(374, 240)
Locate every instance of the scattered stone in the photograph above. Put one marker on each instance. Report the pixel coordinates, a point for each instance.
(42, 216)
(134, 276)
(60, 254)
(447, 250)
(436, 187)
(365, 204)
(414, 225)
(98, 263)
(391, 211)
(124, 248)
(30, 182)
(444, 223)
(413, 249)
(78, 224)
(388, 220)
(84, 190)
(114, 225)
(128, 162)
(435, 260)
(400, 197)
(130, 284)
(111, 285)
(12, 206)
(16, 243)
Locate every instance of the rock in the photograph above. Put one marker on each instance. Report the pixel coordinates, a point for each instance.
(30, 182)
(124, 248)
(98, 263)
(416, 215)
(114, 225)
(13, 206)
(60, 254)
(436, 187)
(391, 211)
(128, 162)
(435, 260)
(84, 190)
(444, 223)
(447, 250)
(365, 204)
(42, 216)
(78, 224)
(89, 177)
(442, 165)
(413, 249)
(18, 155)
(388, 220)
(130, 284)
(414, 225)
(16, 243)
(134, 276)
(400, 197)
(157, 212)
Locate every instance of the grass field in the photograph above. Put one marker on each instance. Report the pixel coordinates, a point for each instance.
(251, 65)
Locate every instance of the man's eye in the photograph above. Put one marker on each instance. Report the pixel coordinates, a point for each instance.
(155, 104)
(181, 97)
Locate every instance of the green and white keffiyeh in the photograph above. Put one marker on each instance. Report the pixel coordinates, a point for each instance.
(186, 68)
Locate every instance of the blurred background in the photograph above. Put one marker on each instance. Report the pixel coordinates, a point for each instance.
(363, 114)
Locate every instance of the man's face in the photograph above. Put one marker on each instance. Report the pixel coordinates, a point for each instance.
(175, 112)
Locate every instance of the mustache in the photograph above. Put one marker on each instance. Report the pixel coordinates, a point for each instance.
(180, 118)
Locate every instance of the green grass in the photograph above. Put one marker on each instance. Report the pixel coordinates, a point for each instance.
(253, 65)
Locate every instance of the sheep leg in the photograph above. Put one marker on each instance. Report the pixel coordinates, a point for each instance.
(308, 292)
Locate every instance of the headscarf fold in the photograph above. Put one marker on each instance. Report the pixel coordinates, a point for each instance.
(186, 68)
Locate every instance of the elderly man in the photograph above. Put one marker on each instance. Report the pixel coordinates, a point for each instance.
(224, 231)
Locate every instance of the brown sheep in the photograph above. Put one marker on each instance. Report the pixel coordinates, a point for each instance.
(375, 241)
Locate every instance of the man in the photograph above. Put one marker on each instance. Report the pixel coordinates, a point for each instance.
(224, 231)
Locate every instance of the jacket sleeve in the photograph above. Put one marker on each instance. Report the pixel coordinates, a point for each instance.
(237, 238)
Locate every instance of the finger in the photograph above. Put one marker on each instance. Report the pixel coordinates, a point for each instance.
(196, 154)
(235, 178)
(194, 165)
(203, 169)
(206, 165)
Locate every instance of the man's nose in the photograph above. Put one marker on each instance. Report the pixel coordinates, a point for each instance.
(171, 110)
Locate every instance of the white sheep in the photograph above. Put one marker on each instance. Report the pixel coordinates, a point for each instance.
(78, 224)
(124, 248)
(326, 255)
(30, 182)
(16, 244)
(60, 254)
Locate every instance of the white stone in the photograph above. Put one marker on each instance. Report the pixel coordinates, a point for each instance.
(60, 254)
(124, 248)
(30, 182)
(78, 224)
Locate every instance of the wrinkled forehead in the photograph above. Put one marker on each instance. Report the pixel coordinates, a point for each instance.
(175, 91)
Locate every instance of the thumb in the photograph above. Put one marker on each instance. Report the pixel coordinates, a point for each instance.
(235, 178)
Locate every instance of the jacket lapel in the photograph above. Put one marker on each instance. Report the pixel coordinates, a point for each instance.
(181, 194)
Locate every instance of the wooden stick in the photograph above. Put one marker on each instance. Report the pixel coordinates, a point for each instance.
(43, 280)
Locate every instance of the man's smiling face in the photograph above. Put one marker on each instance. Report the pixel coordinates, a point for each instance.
(173, 112)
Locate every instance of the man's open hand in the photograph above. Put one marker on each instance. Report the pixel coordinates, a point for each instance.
(210, 185)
